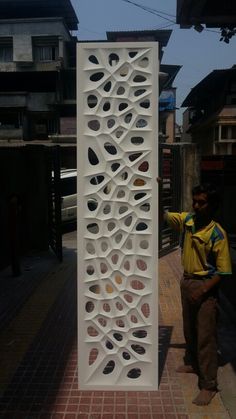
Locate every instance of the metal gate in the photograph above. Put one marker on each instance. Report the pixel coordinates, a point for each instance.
(169, 193)
(54, 200)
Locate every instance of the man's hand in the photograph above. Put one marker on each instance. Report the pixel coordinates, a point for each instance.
(197, 293)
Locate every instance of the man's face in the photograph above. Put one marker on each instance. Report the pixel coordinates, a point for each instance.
(201, 206)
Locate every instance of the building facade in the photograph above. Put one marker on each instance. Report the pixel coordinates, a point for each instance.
(210, 118)
(37, 67)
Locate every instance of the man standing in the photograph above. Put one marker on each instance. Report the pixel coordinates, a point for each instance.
(205, 259)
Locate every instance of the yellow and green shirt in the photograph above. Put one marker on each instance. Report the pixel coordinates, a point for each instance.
(205, 252)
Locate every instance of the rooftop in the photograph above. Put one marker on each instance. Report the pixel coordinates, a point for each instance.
(23, 9)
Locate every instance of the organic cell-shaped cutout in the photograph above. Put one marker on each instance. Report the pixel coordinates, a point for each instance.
(124, 176)
(90, 248)
(97, 76)
(144, 244)
(128, 220)
(118, 279)
(139, 182)
(93, 59)
(129, 244)
(93, 228)
(139, 196)
(141, 123)
(120, 323)
(115, 258)
(134, 373)
(137, 285)
(103, 267)
(144, 166)
(115, 166)
(111, 225)
(102, 321)
(119, 306)
(106, 106)
(128, 118)
(124, 71)
(145, 104)
(95, 289)
(121, 193)
(92, 101)
(126, 356)
(139, 78)
(140, 350)
(137, 140)
(96, 180)
(133, 54)
(107, 86)
(145, 207)
(90, 270)
(119, 133)
(110, 148)
(122, 106)
(92, 331)
(144, 62)
(109, 367)
(134, 156)
(140, 334)
(109, 345)
(139, 92)
(118, 238)
(89, 307)
(107, 189)
(110, 123)
(141, 264)
(141, 226)
(120, 90)
(92, 204)
(128, 298)
(133, 319)
(93, 159)
(109, 289)
(127, 265)
(104, 246)
(118, 337)
(107, 209)
(145, 310)
(113, 59)
(106, 307)
(123, 209)
(93, 354)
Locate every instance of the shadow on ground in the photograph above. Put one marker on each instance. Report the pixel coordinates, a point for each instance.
(164, 344)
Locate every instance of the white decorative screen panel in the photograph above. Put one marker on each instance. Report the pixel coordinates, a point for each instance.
(117, 93)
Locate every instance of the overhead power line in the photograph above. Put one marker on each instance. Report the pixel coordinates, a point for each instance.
(152, 11)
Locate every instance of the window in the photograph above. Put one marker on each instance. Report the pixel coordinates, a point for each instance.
(10, 120)
(6, 50)
(231, 99)
(224, 132)
(46, 53)
(45, 49)
(228, 132)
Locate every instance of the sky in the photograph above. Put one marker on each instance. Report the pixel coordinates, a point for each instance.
(197, 53)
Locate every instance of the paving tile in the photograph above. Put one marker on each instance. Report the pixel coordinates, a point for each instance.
(45, 383)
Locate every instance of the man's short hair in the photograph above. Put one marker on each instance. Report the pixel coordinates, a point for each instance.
(212, 193)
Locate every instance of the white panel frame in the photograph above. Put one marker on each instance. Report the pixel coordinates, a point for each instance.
(105, 360)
